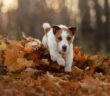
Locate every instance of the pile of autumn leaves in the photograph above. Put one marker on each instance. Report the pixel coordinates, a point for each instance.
(27, 63)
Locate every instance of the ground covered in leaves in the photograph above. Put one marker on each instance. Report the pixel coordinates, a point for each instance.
(26, 70)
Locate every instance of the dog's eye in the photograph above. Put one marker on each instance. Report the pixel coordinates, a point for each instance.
(59, 38)
(68, 38)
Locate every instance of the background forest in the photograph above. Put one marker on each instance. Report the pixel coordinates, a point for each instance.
(91, 17)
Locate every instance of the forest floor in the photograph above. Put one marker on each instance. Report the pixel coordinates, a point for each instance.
(26, 70)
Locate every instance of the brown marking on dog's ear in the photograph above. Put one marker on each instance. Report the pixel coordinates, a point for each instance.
(72, 29)
(55, 29)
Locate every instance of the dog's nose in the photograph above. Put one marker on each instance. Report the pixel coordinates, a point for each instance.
(64, 47)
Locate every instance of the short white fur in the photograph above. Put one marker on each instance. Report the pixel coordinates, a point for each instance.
(64, 41)
(49, 41)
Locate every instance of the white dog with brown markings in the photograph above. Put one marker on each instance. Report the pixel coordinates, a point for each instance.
(59, 41)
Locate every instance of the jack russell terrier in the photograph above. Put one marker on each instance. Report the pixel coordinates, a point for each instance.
(59, 41)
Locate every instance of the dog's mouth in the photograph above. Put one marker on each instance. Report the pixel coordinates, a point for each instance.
(63, 52)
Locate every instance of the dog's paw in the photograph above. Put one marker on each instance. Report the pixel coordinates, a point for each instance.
(67, 69)
(53, 58)
(61, 61)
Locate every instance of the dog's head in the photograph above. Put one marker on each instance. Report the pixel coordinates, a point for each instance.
(64, 36)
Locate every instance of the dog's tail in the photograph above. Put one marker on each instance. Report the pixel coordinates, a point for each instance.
(46, 26)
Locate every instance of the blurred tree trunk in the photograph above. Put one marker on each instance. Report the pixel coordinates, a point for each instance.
(107, 24)
(99, 27)
(86, 29)
(0, 19)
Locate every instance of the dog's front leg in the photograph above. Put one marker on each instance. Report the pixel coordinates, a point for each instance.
(60, 60)
(55, 56)
(69, 60)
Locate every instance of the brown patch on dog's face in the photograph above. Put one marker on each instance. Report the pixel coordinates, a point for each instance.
(55, 29)
(58, 34)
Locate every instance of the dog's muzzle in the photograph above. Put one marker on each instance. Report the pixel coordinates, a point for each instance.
(64, 47)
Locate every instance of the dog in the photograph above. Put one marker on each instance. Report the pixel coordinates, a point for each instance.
(59, 41)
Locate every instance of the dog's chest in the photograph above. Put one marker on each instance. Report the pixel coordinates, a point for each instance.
(63, 55)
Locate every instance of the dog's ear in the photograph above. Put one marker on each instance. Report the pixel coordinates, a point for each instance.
(72, 29)
(55, 29)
